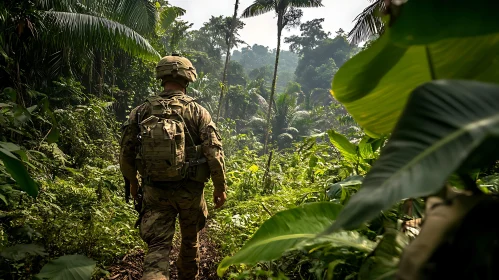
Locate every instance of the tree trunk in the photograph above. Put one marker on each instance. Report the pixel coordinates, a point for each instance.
(274, 80)
(227, 59)
(90, 76)
(227, 105)
(100, 73)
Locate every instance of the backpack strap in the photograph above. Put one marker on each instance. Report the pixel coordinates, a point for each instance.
(164, 101)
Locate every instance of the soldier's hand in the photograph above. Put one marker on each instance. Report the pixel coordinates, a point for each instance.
(219, 199)
(134, 187)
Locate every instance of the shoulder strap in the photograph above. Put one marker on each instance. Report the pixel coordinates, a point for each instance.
(175, 97)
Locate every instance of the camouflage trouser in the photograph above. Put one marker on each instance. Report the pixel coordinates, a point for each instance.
(162, 204)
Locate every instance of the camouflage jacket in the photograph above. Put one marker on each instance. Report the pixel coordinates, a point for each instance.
(199, 124)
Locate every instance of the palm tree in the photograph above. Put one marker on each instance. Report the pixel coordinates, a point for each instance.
(368, 23)
(56, 34)
(287, 15)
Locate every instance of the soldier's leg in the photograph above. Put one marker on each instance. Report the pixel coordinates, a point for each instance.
(192, 219)
(157, 229)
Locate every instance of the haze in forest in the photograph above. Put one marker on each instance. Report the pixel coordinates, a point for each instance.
(262, 29)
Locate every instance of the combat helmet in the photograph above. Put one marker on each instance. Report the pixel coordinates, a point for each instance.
(173, 67)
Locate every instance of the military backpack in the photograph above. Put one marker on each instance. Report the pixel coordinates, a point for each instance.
(163, 153)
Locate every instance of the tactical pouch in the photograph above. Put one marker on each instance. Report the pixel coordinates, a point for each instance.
(199, 170)
(162, 149)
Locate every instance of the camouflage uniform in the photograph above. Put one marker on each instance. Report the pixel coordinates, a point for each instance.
(163, 201)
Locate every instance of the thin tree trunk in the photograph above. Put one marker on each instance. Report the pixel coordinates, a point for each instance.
(20, 93)
(90, 76)
(100, 73)
(274, 80)
(266, 174)
(227, 104)
(227, 59)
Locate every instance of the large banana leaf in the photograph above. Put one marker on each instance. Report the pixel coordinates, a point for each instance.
(374, 85)
(443, 126)
(69, 267)
(427, 21)
(284, 231)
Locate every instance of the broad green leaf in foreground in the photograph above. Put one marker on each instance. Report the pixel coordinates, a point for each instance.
(284, 231)
(375, 84)
(16, 169)
(443, 125)
(69, 267)
(420, 22)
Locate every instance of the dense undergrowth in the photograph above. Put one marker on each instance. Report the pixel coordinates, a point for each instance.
(62, 101)
(80, 208)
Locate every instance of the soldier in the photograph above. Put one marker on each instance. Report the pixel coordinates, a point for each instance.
(173, 143)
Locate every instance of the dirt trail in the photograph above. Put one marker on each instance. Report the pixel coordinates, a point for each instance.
(130, 267)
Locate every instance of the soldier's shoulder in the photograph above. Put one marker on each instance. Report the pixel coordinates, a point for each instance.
(137, 110)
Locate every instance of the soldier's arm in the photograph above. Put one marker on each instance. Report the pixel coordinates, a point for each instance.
(212, 150)
(128, 144)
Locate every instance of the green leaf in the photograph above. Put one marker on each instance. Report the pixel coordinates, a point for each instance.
(446, 125)
(32, 108)
(17, 170)
(11, 147)
(375, 84)
(347, 149)
(350, 181)
(331, 267)
(168, 16)
(352, 239)
(4, 199)
(12, 93)
(69, 267)
(383, 262)
(284, 231)
(53, 135)
(85, 31)
(21, 251)
(140, 16)
(313, 161)
(366, 149)
(418, 19)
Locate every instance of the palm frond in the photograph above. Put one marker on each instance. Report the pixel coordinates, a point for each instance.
(305, 3)
(169, 14)
(368, 23)
(60, 5)
(83, 32)
(139, 15)
(259, 7)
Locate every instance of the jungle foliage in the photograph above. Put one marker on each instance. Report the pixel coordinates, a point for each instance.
(439, 111)
(345, 176)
